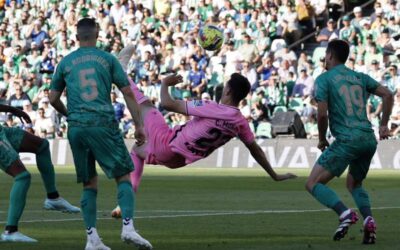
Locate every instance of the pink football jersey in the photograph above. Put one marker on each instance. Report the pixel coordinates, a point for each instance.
(212, 126)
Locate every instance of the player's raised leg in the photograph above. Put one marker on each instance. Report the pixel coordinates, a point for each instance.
(316, 185)
(33, 144)
(136, 175)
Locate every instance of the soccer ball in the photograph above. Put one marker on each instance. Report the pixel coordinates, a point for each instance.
(210, 37)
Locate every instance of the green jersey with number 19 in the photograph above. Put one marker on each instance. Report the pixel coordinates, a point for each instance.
(346, 93)
(88, 74)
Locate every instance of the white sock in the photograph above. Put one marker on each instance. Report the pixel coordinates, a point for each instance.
(345, 213)
(127, 224)
(366, 219)
(92, 234)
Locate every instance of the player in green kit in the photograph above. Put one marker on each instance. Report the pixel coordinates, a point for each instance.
(88, 74)
(13, 141)
(343, 93)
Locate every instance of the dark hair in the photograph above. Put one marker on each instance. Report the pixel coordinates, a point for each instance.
(87, 29)
(240, 87)
(340, 49)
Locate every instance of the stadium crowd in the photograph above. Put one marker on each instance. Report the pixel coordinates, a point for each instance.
(36, 34)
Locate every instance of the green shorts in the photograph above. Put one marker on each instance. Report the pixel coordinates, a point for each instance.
(342, 153)
(10, 142)
(104, 145)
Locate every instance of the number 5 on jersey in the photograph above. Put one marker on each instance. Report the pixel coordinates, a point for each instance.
(88, 85)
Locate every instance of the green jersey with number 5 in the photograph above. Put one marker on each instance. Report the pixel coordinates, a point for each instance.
(88, 74)
(346, 93)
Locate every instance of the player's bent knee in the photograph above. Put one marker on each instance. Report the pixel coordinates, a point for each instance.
(353, 185)
(44, 146)
(23, 177)
(92, 183)
(310, 185)
(122, 178)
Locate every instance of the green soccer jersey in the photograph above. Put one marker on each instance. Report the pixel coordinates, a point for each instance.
(88, 74)
(346, 93)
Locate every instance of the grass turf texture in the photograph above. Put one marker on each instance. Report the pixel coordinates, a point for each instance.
(210, 209)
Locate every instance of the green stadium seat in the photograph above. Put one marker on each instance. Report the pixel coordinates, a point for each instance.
(318, 53)
(296, 104)
(279, 109)
(264, 130)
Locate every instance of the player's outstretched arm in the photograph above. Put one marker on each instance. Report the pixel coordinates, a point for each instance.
(16, 112)
(387, 105)
(260, 157)
(136, 113)
(55, 101)
(167, 101)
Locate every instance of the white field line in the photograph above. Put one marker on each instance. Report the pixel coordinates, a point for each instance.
(216, 213)
(139, 211)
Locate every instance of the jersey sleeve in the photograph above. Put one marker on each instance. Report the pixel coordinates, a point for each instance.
(245, 133)
(209, 109)
(58, 81)
(118, 74)
(321, 89)
(370, 83)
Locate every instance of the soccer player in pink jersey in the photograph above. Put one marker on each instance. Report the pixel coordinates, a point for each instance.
(212, 126)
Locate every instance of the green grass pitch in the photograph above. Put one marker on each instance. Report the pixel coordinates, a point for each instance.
(210, 209)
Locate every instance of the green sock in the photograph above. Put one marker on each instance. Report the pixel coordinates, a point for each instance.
(126, 199)
(18, 197)
(361, 198)
(325, 195)
(46, 168)
(88, 205)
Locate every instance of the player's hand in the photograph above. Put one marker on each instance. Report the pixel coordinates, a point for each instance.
(140, 136)
(323, 144)
(384, 132)
(282, 177)
(172, 80)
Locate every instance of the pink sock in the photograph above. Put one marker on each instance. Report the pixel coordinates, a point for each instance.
(136, 175)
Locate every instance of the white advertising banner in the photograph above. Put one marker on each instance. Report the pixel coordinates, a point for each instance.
(290, 153)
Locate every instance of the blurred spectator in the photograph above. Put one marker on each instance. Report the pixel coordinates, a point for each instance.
(248, 50)
(245, 109)
(304, 85)
(36, 33)
(393, 82)
(44, 126)
(375, 71)
(348, 32)
(319, 69)
(197, 78)
(118, 107)
(249, 72)
(17, 99)
(358, 17)
(265, 70)
(27, 108)
(328, 33)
